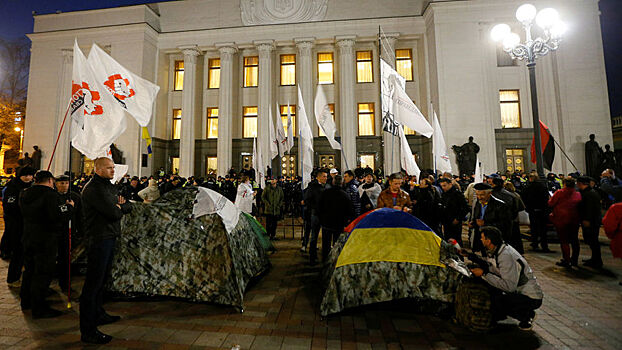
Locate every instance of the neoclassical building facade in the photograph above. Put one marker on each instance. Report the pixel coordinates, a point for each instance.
(225, 67)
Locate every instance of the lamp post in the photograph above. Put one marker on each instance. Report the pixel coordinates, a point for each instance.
(552, 31)
(21, 139)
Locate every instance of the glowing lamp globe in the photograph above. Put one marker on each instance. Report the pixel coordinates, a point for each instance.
(526, 13)
(511, 41)
(500, 31)
(558, 30)
(547, 17)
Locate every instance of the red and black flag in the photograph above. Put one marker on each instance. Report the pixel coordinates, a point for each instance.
(548, 147)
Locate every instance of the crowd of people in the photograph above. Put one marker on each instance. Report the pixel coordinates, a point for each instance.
(38, 208)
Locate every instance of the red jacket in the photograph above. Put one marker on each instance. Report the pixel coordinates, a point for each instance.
(565, 204)
(613, 228)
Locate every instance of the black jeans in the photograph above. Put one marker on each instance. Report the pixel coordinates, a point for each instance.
(590, 236)
(271, 223)
(329, 237)
(537, 224)
(515, 305)
(39, 262)
(453, 231)
(62, 260)
(17, 255)
(99, 262)
(314, 227)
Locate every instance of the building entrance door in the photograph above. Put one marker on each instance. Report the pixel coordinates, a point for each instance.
(514, 160)
(327, 161)
(288, 165)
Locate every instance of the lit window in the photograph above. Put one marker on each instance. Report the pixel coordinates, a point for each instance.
(249, 123)
(332, 112)
(213, 73)
(366, 119)
(288, 69)
(251, 70)
(325, 68)
(509, 101)
(178, 83)
(367, 160)
(176, 124)
(212, 165)
(404, 63)
(292, 111)
(364, 72)
(212, 123)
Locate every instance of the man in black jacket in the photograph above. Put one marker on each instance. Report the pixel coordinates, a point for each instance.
(77, 230)
(335, 211)
(488, 211)
(39, 205)
(536, 196)
(103, 210)
(311, 199)
(351, 187)
(455, 208)
(589, 210)
(14, 224)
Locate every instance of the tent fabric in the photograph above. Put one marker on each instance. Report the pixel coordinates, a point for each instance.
(211, 202)
(364, 283)
(163, 251)
(261, 233)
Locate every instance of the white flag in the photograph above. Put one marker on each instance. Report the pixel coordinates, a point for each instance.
(135, 94)
(274, 144)
(406, 112)
(258, 165)
(305, 142)
(281, 138)
(388, 78)
(441, 157)
(97, 119)
(324, 117)
(290, 129)
(479, 176)
(408, 159)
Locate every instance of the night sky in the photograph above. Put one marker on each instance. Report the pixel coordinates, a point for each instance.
(17, 21)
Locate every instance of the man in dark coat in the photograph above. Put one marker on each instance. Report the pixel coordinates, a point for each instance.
(589, 210)
(272, 198)
(488, 211)
(36, 158)
(311, 199)
(455, 207)
(335, 211)
(14, 225)
(77, 230)
(103, 209)
(536, 196)
(351, 188)
(514, 205)
(39, 205)
(131, 189)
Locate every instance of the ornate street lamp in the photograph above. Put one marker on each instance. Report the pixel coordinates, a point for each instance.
(552, 31)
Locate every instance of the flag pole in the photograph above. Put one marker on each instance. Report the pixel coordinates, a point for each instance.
(58, 137)
(69, 237)
(561, 149)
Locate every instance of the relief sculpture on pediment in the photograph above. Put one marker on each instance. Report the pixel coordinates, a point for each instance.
(256, 12)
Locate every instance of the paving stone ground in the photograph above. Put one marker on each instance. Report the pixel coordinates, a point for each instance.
(582, 309)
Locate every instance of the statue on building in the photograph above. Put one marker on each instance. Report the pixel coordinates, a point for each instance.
(466, 156)
(36, 158)
(593, 158)
(609, 158)
(117, 154)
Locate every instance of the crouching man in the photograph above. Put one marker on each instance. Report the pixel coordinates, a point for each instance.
(515, 291)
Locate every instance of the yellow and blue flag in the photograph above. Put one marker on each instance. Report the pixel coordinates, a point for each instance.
(392, 236)
(148, 139)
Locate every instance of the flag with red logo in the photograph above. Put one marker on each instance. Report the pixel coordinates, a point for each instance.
(133, 93)
(548, 147)
(97, 119)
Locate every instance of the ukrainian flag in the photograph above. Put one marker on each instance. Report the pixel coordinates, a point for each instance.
(148, 139)
(393, 236)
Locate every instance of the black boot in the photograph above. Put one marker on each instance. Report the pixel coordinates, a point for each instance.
(96, 337)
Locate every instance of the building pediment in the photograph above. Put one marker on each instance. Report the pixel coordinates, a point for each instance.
(256, 12)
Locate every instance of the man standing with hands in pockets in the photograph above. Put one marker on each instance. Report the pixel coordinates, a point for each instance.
(103, 209)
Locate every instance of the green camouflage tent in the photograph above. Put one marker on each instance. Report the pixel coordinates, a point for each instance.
(388, 255)
(164, 251)
(262, 235)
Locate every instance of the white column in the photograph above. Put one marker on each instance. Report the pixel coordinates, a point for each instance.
(225, 108)
(304, 79)
(391, 143)
(264, 47)
(348, 113)
(187, 139)
(61, 157)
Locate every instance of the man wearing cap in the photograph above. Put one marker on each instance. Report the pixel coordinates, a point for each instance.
(488, 211)
(589, 211)
(333, 172)
(42, 214)
(77, 232)
(14, 224)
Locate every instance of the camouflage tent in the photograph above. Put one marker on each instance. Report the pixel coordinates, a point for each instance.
(388, 255)
(163, 251)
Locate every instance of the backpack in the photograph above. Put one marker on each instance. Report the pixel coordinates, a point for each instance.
(473, 306)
